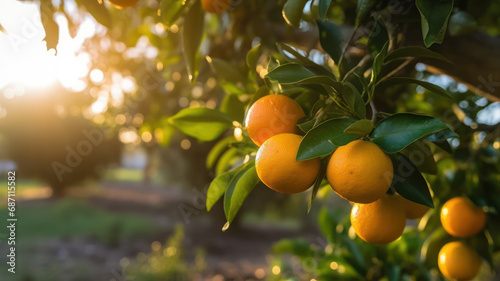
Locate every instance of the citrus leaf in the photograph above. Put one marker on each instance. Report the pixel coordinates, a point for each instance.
(441, 139)
(354, 100)
(377, 63)
(361, 127)
(98, 11)
(233, 107)
(239, 188)
(325, 138)
(226, 160)
(363, 9)
(225, 70)
(409, 182)
(420, 154)
(415, 52)
(217, 150)
(202, 123)
(289, 73)
(293, 55)
(252, 57)
(317, 182)
(331, 39)
(171, 10)
(49, 24)
(393, 81)
(323, 8)
(434, 19)
(292, 12)
(378, 38)
(218, 187)
(398, 131)
(192, 33)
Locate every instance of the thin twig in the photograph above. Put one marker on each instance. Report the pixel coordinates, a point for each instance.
(348, 44)
(401, 66)
(374, 111)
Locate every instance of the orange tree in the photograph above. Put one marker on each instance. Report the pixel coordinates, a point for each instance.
(392, 149)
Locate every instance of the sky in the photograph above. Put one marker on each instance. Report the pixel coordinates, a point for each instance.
(24, 58)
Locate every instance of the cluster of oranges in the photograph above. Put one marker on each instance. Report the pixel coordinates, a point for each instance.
(359, 172)
(461, 219)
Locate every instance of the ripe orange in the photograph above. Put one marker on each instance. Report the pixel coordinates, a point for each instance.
(123, 3)
(379, 222)
(216, 6)
(272, 115)
(461, 218)
(458, 262)
(412, 210)
(360, 172)
(278, 169)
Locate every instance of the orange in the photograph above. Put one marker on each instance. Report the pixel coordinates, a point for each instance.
(216, 6)
(278, 169)
(272, 115)
(360, 172)
(461, 218)
(379, 222)
(123, 3)
(458, 262)
(412, 210)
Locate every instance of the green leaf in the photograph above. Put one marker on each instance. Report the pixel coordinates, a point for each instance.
(331, 39)
(218, 187)
(462, 23)
(202, 123)
(239, 188)
(317, 182)
(416, 52)
(292, 11)
(226, 160)
(360, 127)
(293, 55)
(307, 125)
(325, 138)
(420, 154)
(398, 131)
(434, 17)
(49, 25)
(290, 73)
(441, 139)
(192, 34)
(363, 9)
(293, 73)
(378, 38)
(409, 182)
(323, 8)
(171, 10)
(354, 100)
(225, 70)
(377, 63)
(393, 81)
(233, 107)
(252, 57)
(98, 11)
(217, 150)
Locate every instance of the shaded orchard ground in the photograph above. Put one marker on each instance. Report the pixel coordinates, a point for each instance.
(87, 235)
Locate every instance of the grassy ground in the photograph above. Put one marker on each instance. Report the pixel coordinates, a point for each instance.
(67, 220)
(75, 217)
